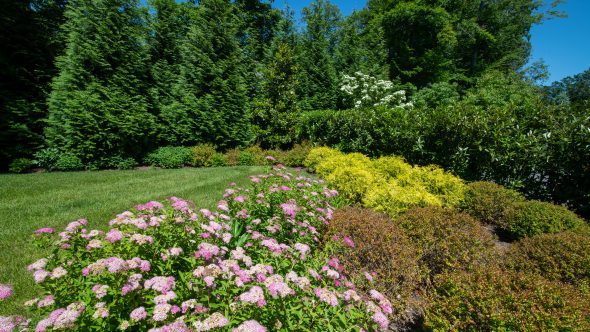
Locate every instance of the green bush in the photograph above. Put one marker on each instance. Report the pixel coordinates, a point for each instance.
(69, 162)
(295, 157)
(202, 155)
(493, 299)
(47, 158)
(20, 165)
(232, 157)
(259, 154)
(170, 157)
(374, 244)
(218, 160)
(489, 202)
(562, 256)
(124, 163)
(535, 217)
(246, 158)
(448, 239)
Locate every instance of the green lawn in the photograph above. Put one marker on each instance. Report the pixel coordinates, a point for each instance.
(32, 201)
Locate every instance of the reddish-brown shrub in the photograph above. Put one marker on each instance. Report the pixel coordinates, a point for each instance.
(446, 238)
(380, 246)
(492, 299)
(561, 256)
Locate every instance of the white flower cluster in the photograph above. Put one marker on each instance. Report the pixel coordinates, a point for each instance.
(364, 90)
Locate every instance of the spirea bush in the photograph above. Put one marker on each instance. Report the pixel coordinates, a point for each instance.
(378, 251)
(489, 202)
(535, 217)
(448, 240)
(562, 256)
(493, 299)
(252, 264)
(202, 155)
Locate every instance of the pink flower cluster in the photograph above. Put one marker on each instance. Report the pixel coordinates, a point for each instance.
(5, 292)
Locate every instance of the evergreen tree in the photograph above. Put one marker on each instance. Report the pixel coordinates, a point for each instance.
(318, 81)
(258, 21)
(97, 108)
(169, 25)
(29, 35)
(211, 103)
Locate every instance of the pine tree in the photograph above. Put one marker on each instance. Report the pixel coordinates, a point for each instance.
(97, 107)
(211, 103)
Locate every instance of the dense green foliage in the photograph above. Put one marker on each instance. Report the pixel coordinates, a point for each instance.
(493, 299)
(489, 202)
(534, 217)
(500, 130)
(561, 256)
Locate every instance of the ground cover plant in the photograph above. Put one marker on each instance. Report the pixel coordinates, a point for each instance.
(251, 264)
(32, 201)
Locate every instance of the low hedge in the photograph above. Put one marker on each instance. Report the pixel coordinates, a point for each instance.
(535, 217)
(447, 239)
(563, 256)
(493, 299)
(489, 202)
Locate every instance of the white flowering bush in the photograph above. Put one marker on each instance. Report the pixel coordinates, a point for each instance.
(362, 90)
(253, 264)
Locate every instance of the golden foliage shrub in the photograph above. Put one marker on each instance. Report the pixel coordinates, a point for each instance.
(394, 199)
(392, 166)
(492, 299)
(444, 185)
(380, 246)
(448, 239)
(387, 184)
(318, 155)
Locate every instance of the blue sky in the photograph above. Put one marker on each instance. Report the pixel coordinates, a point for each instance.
(563, 43)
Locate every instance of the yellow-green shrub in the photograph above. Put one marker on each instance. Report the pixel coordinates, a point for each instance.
(444, 185)
(392, 166)
(202, 155)
(352, 160)
(317, 155)
(394, 199)
(354, 182)
(388, 184)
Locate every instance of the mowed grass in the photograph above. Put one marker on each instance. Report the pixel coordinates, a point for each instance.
(31, 201)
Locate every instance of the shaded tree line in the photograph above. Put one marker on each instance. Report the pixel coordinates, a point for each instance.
(103, 79)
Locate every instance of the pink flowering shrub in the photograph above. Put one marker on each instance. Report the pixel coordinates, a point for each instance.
(252, 264)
